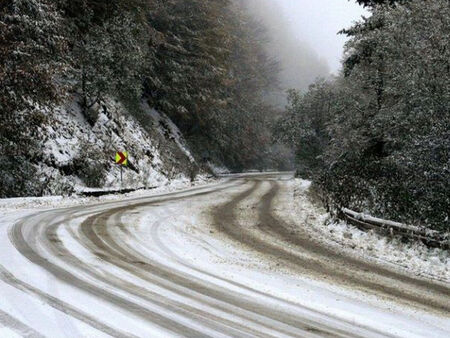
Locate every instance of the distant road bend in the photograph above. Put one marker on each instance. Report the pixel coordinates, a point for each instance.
(157, 266)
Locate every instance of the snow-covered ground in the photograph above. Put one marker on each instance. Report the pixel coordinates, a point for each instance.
(70, 145)
(36, 304)
(189, 239)
(415, 258)
(155, 264)
(21, 204)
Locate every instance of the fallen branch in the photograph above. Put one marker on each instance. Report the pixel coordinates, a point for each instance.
(429, 237)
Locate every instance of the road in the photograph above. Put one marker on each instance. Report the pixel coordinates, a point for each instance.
(216, 260)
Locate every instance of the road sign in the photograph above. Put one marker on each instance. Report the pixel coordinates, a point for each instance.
(122, 158)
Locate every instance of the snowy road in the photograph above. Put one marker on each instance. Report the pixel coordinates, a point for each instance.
(219, 260)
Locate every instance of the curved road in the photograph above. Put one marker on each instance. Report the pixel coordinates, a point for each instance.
(116, 269)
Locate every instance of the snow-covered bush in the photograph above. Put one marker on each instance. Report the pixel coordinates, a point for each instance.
(377, 138)
(13, 170)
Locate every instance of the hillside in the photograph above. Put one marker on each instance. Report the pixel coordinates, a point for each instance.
(77, 154)
(75, 77)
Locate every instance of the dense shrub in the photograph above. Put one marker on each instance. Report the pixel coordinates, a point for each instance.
(15, 173)
(92, 173)
(376, 138)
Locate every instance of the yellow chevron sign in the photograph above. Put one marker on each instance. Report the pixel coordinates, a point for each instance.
(122, 158)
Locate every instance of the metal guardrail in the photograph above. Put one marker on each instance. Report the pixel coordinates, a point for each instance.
(99, 193)
(431, 238)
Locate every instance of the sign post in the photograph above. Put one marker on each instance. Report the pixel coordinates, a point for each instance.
(121, 160)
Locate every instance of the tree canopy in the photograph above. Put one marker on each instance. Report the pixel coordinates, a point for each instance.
(201, 62)
(376, 138)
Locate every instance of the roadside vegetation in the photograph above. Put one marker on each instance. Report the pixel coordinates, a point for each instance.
(201, 62)
(376, 138)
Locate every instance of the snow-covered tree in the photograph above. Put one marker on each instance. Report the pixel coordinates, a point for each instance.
(387, 126)
(31, 45)
(110, 60)
(202, 62)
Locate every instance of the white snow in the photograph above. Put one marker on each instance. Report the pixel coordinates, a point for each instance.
(12, 205)
(25, 303)
(7, 333)
(68, 139)
(218, 170)
(162, 120)
(414, 257)
(178, 236)
(183, 239)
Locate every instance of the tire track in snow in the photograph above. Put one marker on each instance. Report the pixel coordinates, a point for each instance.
(17, 326)
(29, 250)
(52, 241)
(313, 312)
(59, 305)
(110, 248)
(342, 268)
(128, 264)
(227, 222)
(94, 229)
(428, 293)
(192, 303)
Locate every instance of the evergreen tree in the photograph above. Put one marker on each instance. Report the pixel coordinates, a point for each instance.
(386, 138)
(31, 45)
(210, 76)
(202, 62)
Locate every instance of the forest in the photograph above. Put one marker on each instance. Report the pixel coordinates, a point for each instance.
(201, 62)
(376, 138)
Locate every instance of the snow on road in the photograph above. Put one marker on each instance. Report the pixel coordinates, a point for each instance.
(174, 265)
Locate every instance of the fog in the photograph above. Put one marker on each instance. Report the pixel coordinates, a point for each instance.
(303, 36)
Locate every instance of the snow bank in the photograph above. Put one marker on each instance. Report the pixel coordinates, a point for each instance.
(8, 205)
(414, 257)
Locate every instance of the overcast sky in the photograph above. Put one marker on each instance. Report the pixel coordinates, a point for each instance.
(302, 37)
(318, 21)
